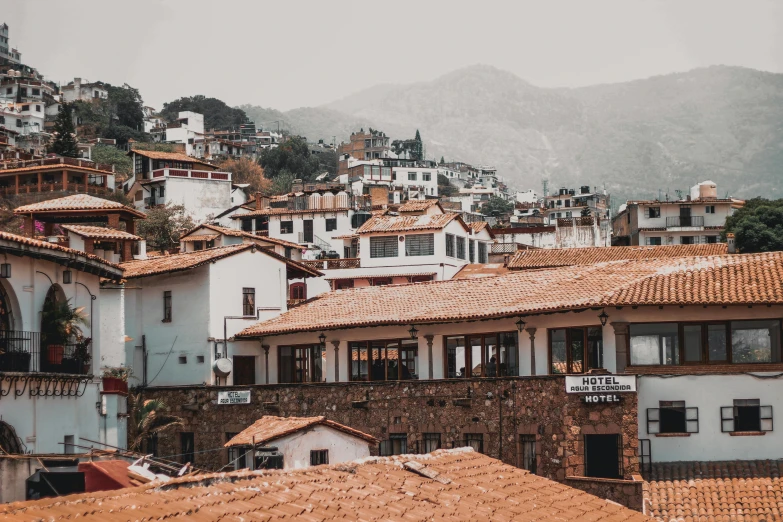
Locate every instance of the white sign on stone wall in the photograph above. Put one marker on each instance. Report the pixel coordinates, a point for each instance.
(234, 397)
(600, 383)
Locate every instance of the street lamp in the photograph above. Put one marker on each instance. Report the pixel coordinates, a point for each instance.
(603, 316)
(322, 338)
(413, 332)
(520, 324)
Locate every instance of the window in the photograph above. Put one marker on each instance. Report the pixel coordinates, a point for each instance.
(672, 417)
(23, 91)
(247, 225)
(186, 447)
(297, 291)
(475, 441)
(487, 355)
(167, 306)
(653, 212)
(385, 246)
(426, 176)
(575, 350)
(527, 452)
(25, 108)
(380, 281)
(737, 342)
(198, 245)
(654, 241)
(319, 457)
(430, 442)
(391, 360)
(331, 224)
(412, 176)
(200, 359)
(302, 363)
(688, 240)
(420, 245)
(9, 90)
(249, 301)
(396, 445)
(482, 253)
(286, 227)
(450, 249)
(36, 92)
(68, 447)
(182, 359)
(18, 122)
(747, 415)
(709, 209)
(37, 108)
(471, 250)
(711, 239)
(603, 456)
(237, 457)
(460, 248)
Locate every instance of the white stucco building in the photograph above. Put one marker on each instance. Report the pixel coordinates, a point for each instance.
(188, 127)
(300, 442)
(82, 90)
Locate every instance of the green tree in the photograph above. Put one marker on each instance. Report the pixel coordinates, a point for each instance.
(758, 226)
(293, 156)
(496, 206)
(445, 188)
(442, 161)
(127, 107)
(147, 418)
(64, 133)
(281, 184)
(164, 225)
(110, 155)
(217, 115)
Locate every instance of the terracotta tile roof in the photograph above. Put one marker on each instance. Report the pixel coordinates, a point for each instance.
(717, 280)
(57, 166)
(170, 156)
(382, 273)
(417, 205)
(473, 271)
(200, 237)
(408, 223)
(717, 491)
(283, 211)
(190, 260)
(241, 233)
(269, 428)
(26, 241)
(75, 202)
(550, 257)
(478, 226)
(445, 485)
(100, 232)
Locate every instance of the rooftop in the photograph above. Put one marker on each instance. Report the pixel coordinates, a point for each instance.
(408, 223)
(417, 205)
(445, 485)
(170, 156)
(78, 202)
(712, 280)
(551, 257)
(282, 211)
(717, 491)
(239, 233)
(100, 232)
(473, 271)
(25, 244)
(269, 428)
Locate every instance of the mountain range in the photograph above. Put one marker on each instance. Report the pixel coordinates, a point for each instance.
(637, 139)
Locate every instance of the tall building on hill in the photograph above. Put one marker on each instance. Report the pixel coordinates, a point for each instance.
(6, 51)
(363, 146)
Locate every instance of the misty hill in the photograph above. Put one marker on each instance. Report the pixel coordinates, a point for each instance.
(634, 138)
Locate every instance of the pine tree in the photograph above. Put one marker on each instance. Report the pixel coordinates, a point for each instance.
(442, 161)
(418, 151)
(64, 133)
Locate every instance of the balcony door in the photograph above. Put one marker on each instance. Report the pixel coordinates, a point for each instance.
(685, 215)
(307, 235)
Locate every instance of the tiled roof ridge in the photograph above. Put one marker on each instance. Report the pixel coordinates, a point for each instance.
(219, 253)
(88, 230)
(283, 426)
(78, 201)
(8, 236)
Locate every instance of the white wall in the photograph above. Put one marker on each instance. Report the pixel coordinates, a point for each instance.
(430, 187)
(201, 197)
(342, 447)
(319, 227)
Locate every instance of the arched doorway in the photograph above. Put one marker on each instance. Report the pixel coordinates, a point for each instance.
(6, 312)
(14, 346)
(52, 338)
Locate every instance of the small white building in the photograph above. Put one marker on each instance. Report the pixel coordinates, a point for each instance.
(184, 310)
(300, 442)
(82, 90)
(188, 127)
(211, 236)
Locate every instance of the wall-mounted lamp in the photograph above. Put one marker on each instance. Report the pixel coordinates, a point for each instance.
(520, 324)
(67, 274)
(603, 316)
(322, 338)
(413, 331)
(5, 270)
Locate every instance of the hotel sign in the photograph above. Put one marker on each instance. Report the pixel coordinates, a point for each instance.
(600, 384)
(234, 397)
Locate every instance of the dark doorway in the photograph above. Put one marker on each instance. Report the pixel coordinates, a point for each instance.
(307, 236)
(603, 456)
(244, 370)
(685, 216)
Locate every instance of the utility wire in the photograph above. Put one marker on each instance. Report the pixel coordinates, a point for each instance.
(165, 361)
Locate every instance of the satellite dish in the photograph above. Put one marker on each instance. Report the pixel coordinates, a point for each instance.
(222, 367)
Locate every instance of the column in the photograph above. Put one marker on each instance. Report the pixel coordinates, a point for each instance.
(16, 183)
(114, 221)
(532, 333)
(40, 180)
(266, 363)
(336, 345)
(430, 363)
(127, 250)
(29, 226)
(621, 345)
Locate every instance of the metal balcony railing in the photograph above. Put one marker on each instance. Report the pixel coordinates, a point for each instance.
(23, 352)
(685, 221)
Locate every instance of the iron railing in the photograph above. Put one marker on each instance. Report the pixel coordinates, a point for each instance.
(685, 221)
(24, 352)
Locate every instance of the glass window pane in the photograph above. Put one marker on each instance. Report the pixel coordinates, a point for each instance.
(359, 362)
(286, 364)
(491, 356)
(755, 341)
(317, 363)
(558, 351)
(654, 343)
(577, 350)
(692, 340)
(409, 359)
(392, 361)
(595, 347)
(455, 356)
(475, 356)
(717, 342)
(378, 358)
(508, 355)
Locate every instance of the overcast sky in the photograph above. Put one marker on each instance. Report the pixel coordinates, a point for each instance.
(286, 54)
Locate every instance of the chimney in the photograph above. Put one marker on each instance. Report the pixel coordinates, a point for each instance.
(262, 201)
(732, 244)
(142, 250)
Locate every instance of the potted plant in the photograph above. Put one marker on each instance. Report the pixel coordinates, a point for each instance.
(78, 361)
(59, 323)
(115, 379)
(13, 358)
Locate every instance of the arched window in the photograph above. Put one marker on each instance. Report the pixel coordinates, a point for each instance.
(6, 315)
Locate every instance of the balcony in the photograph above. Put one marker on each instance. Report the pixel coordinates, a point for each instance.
(684, 221)
(23, 352)
(193, 174)
(334, 264)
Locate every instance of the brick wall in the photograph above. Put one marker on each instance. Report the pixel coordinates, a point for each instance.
(500, 409)
(629, 493)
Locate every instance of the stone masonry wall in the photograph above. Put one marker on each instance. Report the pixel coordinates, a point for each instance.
(501, 409)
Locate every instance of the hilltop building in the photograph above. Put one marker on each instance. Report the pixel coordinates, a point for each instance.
(7, 52)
